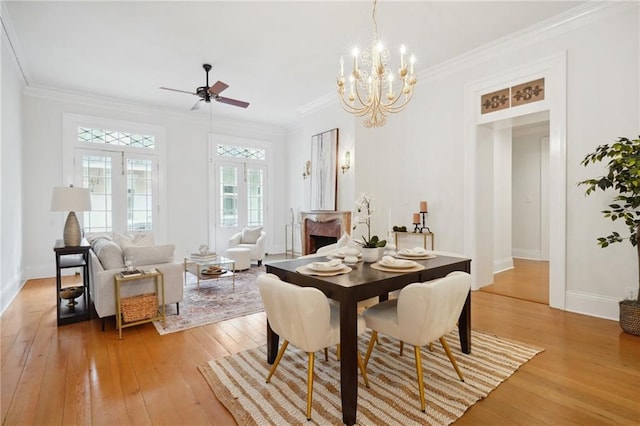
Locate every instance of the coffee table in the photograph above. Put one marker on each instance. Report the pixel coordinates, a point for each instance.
(196, 266)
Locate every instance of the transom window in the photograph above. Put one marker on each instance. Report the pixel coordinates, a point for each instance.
(241, 152)
(111, 137)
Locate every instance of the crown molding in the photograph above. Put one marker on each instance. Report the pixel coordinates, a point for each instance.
(149, 110)
(14, 44)
(571, 19)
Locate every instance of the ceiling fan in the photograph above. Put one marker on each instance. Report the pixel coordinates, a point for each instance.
(207, 93)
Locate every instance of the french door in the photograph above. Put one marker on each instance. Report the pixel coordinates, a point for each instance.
(240, 195)
(124, 189)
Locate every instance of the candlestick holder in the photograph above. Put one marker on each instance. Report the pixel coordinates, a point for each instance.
(418, 228)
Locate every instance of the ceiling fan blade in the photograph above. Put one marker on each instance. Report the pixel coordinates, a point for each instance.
(234, 102)
(218, 87)
(196, 105)
(176, 90)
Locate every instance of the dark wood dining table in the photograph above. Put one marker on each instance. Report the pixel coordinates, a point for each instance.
(362, 283)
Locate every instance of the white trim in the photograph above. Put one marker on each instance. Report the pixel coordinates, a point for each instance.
(501, 265)
(553, 69)
(14, 43)
(10, 290)
(527, 254)
(593, 305)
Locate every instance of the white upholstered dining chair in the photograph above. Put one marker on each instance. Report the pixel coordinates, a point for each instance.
(303, 317)
(422, 313)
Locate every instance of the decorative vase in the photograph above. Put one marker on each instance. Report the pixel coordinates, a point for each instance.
(370, 255)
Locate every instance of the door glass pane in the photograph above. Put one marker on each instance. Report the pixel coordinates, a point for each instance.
(228, 196)
(139, 195)
(255, 197)
(96, 175)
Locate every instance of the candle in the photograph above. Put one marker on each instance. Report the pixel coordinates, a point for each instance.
(416, 218)
(423, 206)
(341, 67)
(390, 84)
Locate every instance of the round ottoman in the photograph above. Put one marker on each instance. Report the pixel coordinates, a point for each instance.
(241, 256)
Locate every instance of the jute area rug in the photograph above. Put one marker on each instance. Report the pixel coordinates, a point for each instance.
(216, 300)
(238, 381)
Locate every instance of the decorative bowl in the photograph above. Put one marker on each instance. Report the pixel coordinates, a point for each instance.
(70, 293)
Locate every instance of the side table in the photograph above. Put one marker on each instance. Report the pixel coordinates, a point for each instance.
(424, 236)
(72, 257)
(160, 313)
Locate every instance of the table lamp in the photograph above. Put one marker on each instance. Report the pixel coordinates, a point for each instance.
(70, 199)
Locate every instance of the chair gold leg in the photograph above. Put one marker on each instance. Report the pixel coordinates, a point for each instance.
(278, 358)
(423, 404)
(451, 357)
(326, 354)
(310, 385)
(363, 370)
(430, 346)
(401, 347)
(374, 336)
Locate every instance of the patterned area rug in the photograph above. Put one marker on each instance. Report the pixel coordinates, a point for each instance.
(217, 300)
(238, 381)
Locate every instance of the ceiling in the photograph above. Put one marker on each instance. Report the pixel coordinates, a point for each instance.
(277, 55)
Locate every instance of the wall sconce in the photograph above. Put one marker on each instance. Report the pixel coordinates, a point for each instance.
(347, 162)
(306, 172)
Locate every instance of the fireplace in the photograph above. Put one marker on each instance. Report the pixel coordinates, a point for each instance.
(320, 228)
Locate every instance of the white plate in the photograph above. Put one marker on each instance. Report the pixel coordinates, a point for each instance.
(398, 264)
(324, 267)
(407, 254)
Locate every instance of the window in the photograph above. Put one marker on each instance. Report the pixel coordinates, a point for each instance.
(119, 162)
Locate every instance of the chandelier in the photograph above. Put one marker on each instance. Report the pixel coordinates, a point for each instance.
(371, 93)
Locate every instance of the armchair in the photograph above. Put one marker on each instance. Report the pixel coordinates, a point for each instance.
(253, 239)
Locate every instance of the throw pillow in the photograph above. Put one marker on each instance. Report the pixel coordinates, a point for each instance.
(135, 240)
(250, 235)
(109, 253)
(149, 255)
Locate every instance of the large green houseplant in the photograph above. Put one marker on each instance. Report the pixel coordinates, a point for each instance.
(623, 176)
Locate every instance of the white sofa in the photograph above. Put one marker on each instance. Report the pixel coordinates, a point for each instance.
(108, 254)
(252, 238)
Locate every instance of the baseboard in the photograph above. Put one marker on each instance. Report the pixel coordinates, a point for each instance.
(9, 292)
(593, 305)
(502, 265)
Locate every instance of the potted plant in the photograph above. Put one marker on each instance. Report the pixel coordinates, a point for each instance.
(371, 243)
(623, 176)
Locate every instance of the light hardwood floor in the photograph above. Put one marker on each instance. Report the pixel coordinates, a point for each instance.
(528, 280)
(77, 374)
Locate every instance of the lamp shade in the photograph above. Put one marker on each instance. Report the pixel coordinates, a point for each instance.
(70, 199)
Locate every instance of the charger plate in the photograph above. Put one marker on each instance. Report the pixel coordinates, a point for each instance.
(379, 267)
(304, 270)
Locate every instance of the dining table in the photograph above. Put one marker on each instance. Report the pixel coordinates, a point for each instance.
(362, 282)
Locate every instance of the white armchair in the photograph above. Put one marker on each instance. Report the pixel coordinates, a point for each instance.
(253, 239)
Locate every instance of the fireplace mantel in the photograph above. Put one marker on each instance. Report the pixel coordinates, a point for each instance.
(323, 223)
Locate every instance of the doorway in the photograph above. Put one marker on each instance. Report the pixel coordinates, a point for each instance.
(521, 263)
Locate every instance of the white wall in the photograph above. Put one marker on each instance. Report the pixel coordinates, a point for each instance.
(419, 153)
(11, 177)
(528, 204)
(187, 170)
(502, 182)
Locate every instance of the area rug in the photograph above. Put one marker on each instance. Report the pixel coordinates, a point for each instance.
(216, 300)
(238, 381)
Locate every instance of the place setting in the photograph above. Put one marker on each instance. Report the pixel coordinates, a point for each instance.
(417, 253)
(324, 269)
(392, 264)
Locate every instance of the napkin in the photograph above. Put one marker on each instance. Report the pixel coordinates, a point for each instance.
(330, 265)
(390, 260)
(413, 251)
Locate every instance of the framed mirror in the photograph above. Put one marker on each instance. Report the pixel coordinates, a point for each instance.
(324, 170)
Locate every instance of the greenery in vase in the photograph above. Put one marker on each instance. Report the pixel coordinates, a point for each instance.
(623, 175)
(363, 207)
